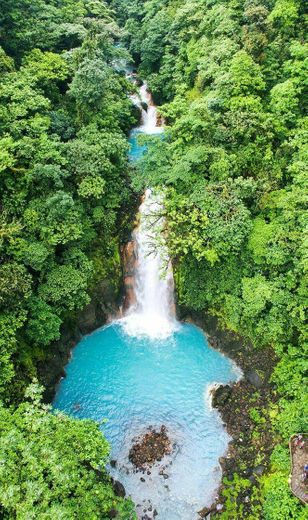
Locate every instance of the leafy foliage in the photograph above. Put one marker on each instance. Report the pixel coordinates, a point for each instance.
(230, 78)
(53, 466)
(64, 115)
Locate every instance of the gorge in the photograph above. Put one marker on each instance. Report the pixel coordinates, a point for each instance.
(147, 370)
(217, 245)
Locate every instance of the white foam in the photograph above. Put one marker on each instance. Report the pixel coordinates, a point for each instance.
(151, 325)
(149, 117)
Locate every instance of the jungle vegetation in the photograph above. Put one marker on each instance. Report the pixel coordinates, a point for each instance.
(64, 116)
(229, 77)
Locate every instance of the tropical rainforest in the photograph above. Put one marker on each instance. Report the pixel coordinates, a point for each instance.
(229, 78)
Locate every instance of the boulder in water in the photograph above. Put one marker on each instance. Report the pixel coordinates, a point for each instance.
(221, 395)
(150, 448)
(118, 488)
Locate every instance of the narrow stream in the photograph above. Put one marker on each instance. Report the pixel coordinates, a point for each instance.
(146, 370)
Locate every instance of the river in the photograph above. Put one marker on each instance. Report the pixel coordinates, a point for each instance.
(148, 370)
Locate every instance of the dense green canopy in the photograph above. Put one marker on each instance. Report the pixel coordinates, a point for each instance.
(63, 161)
(53, 466)
(64, 115)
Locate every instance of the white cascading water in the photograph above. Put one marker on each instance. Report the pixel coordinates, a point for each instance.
(148, 116)
(153, 313)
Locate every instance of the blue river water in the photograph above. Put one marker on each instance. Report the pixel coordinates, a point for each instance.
(135, 383)
(136, 150)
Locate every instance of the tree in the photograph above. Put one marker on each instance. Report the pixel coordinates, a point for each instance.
(54, 465)
(43, 325)
(65, 288)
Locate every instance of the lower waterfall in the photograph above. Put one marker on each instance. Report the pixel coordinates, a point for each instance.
(152, 313)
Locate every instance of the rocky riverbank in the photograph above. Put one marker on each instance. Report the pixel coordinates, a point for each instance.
(105, 299)
(245, 409)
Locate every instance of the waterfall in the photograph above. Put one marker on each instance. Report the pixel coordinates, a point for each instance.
(151, 312)
(143, 100)
(149, 116)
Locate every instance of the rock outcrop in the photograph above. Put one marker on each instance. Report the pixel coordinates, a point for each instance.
(150, 448)
(129, 262)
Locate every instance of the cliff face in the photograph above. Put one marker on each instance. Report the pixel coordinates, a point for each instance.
(129, 263)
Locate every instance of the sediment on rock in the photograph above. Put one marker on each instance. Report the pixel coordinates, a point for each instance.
(129, 261)
(150, 448)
